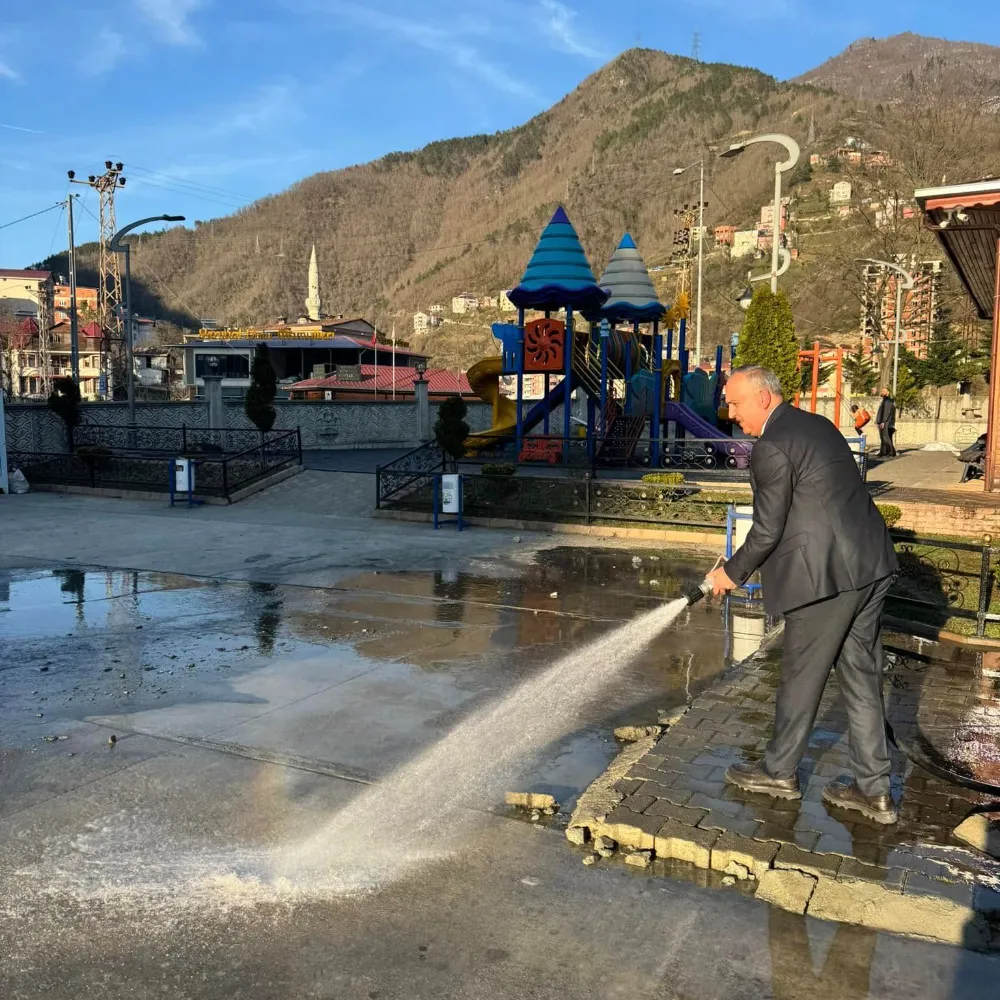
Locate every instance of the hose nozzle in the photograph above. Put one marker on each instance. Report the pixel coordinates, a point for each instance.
(696, 593)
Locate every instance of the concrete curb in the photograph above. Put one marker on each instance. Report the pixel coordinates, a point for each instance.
(712, 538)
(944, 635)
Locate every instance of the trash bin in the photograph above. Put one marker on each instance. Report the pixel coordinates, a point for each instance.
(451, 494)
(183, 475)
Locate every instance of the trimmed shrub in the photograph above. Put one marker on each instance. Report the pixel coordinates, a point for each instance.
(664, 478)
(890, 513)
(499, 469)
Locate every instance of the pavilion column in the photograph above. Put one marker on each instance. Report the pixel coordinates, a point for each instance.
(992, 440)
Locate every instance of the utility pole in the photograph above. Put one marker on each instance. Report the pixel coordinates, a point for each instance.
(696, 46)
(110, 291)
(74, 323)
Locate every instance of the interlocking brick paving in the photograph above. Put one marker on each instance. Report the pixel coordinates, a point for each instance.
(675, 799)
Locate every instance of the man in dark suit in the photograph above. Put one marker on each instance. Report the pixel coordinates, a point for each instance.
(885, 419)
(826, 562)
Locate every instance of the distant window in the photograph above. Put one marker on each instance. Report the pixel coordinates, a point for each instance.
(230, 365)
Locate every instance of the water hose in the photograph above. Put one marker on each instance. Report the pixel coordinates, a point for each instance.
(694, 594)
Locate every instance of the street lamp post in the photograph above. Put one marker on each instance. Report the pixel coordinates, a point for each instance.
(701, 248)
(117, 246)
(779, 168)
(905, 285)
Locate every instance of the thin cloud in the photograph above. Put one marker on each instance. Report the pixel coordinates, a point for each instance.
(558, 21)
(170, 17)
(451, 42)
(8, 72)
(105, 54)
(21, 128)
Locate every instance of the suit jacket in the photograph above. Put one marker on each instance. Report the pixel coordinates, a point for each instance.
(815, 530)
(886, 412)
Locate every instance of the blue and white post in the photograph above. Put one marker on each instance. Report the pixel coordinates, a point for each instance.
(520, 383)
(567, 382)
(656, 429)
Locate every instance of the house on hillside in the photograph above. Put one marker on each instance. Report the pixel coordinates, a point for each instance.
(464, 303)
(724, 235)
(422, 322)
(840, 193)
(744, 243)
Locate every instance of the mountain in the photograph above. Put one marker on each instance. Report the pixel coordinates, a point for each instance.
(416, 228)
(880, 69)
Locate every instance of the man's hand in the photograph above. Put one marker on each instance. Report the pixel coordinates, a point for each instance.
(720, 581)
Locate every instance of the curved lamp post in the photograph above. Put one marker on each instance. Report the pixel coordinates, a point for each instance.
(701, 247)
(905, 285)
(118, 247)
(779, 168)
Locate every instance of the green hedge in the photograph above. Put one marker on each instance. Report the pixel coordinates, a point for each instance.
(499, 469)
(664, 478)
(890, 513)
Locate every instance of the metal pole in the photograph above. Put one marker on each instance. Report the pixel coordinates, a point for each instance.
(815, 376)
(701, 263)
(775, 227)
(129, 373)
(899, 323)
(74, 323)
(568, 345)
(992, 438)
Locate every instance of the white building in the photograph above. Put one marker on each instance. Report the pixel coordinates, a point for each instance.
(744, 243)
(436, 309)
(840, 193)
(421, 322)
(464, 303)
(506, 306)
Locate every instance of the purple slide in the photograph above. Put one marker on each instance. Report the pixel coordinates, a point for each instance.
(733, 453)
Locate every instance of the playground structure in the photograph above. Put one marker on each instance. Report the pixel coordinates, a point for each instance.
(815, 357)
(635, 391)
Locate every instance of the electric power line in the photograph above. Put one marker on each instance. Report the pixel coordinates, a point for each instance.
(24, 218)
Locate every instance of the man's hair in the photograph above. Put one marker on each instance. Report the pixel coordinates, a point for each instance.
(761, 378)
(854, 407)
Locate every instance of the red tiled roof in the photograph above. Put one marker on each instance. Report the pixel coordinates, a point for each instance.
(440, 380)
(92, 329)
(6, 272)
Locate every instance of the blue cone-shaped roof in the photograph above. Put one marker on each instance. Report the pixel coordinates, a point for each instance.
(631, 293)
(558, 273)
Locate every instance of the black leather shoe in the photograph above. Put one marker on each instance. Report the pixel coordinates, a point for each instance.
(754, 778)
(845, 794)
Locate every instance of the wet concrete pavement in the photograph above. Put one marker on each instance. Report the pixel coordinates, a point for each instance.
(252, 702)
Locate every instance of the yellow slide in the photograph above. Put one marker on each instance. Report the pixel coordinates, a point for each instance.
(484, 380)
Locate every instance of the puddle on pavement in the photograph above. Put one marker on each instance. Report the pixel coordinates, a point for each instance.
(154, 652)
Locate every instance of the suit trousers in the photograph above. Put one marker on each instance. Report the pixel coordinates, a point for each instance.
(842, 632)
(886, 446)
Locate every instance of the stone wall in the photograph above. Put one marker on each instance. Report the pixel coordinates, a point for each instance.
(34, 427)
(966, 519)
(954, 420)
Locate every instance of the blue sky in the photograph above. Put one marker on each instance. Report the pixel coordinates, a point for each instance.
(212, 103)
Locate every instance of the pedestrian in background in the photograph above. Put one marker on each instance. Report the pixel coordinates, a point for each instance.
(885, 419)
(861, 417)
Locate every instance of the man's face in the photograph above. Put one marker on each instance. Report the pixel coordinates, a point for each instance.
(748, 405)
